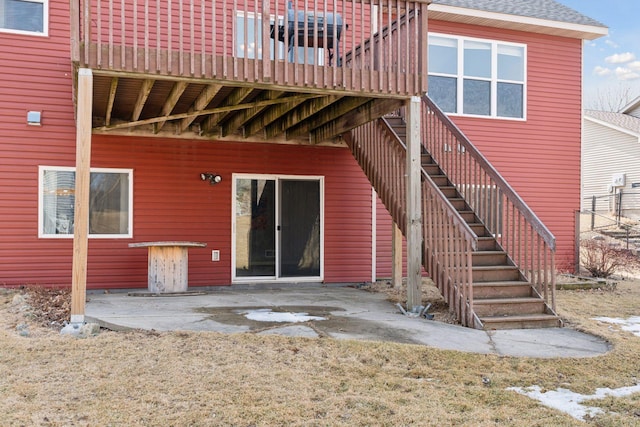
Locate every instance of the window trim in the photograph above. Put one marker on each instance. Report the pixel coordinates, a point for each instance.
(43, 235)
(277, 278)
(300, 57)
(494, 80)
(45, 22)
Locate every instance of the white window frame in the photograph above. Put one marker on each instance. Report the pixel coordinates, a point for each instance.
(277, 278)
(42, 234)
(45, 21)
(249, 18)
(460, 76)
(312, 56)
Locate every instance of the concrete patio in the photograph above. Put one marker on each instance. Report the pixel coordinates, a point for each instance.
(336, 312)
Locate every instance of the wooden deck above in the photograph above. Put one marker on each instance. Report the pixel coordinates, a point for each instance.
(203, 69)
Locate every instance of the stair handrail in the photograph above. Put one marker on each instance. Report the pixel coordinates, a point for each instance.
(447, 240)
(452, 212)
(520, 204)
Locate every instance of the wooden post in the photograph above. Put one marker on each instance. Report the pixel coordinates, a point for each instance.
(396, 254)
(414, 208)
(83, 175)
(75, 30)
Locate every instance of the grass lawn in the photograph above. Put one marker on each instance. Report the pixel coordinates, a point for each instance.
(209, 379)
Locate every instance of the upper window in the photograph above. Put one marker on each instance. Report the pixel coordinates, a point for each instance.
(110, 202)
(477, 77)
(24, 16)
(248, 42)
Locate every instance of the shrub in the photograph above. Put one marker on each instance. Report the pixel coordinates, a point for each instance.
(602, 259)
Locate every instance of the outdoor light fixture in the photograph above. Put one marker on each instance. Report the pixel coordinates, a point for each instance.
(213, 178)
(34, 118)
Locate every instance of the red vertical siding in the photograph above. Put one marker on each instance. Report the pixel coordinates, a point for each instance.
(539, 157)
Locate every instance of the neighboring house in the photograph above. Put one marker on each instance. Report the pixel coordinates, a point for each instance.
(610, 161)
(196, 129)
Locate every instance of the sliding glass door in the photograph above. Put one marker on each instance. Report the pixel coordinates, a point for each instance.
(277, 227)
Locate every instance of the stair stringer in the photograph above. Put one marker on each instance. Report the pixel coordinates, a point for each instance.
(451, 273)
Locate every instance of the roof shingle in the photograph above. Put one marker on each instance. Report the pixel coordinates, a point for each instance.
(620, 120)
(541, 9)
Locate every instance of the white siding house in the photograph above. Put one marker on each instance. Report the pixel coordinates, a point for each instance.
(611, 160)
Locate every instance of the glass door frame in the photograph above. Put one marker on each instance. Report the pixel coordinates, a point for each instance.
(277, 178)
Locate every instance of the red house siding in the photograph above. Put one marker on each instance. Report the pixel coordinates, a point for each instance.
(169, 200)
(539, 157)
(36, 75)
(171, 203)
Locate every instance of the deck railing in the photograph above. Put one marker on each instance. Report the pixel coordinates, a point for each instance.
(517, 229)
(448, 240)
(373, 46)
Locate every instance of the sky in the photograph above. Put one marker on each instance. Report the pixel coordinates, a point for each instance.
(612, 62)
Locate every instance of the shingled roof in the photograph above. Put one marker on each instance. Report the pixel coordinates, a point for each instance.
(623, 121)
(541, 9)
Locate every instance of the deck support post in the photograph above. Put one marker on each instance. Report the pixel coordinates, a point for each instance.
(81, 207)
(396, 255)
(414, 206)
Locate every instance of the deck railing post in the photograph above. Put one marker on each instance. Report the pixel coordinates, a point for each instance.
(75, 30)
(266, 43)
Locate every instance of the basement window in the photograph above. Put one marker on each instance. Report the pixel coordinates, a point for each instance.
(24, 16)
(110, 202)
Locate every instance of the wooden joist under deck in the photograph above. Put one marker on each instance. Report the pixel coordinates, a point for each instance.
(179, 107)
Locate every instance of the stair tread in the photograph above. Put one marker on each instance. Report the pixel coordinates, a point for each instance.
(494, 267)
(503, 283)
(517, 317)
(507, 300)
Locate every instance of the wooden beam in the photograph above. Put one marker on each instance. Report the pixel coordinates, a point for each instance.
(201, 102)
(299, 114)
(171, 101)
(145, 90)
(81, 207)
(113, 88)
(372, 110)
(396, 256)
(192, 115)
(321, 90)
(243, 117)
(325, 115)
(414, 206)
(236, 97)
(272, 114)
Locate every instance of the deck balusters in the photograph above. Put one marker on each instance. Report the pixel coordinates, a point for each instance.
(373, 47)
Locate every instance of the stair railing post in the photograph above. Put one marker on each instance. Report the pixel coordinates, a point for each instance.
(414, 216)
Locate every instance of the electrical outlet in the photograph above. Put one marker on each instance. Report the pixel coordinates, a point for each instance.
(215, 255)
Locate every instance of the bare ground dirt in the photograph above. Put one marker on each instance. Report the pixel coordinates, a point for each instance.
(208, 379)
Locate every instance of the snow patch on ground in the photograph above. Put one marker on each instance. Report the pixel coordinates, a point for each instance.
(571, 403)
(267, 315)
(631, 324)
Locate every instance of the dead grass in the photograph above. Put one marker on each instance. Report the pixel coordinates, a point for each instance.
(209, 379)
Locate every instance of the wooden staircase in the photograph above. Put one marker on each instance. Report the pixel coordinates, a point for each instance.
(501, 295)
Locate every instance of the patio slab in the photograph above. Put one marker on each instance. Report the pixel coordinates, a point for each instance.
(337, 312)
